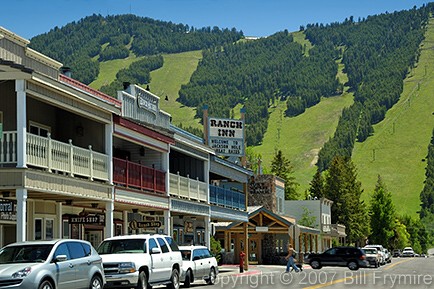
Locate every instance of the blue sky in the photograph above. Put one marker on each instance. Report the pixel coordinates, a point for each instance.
(28, 18)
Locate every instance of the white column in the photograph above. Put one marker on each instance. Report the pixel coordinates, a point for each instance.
(20, 88)
(125, 225)
(167, 223)
(208, 232)
(109, 224)
(21, 195)
(109, 148)
(206, 169)
(165, 168)
(59, 213)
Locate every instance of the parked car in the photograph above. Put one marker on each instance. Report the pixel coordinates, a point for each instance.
(372, 256)
(388, 256)
(198, 264)
(141, 261)
(63, 264)
(396, 253)
(380, 249)
(408, 252)
(351, 257)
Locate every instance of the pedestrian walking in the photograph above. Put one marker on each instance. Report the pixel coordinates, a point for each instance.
(291, 260)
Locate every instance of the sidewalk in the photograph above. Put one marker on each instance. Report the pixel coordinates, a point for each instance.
(232, 269)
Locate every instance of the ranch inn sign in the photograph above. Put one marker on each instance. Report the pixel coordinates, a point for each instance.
(226, 136)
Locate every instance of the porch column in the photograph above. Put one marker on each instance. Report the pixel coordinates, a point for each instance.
(109, 149)
(125, 219)
(165, 168)
(167, 223)
(246, 245)
(59, 213)
(206, 167)
(21, 195)
(109, 226)
(20, 88)
(207, 232)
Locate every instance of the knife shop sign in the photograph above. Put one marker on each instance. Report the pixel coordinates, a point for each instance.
(226, 136)
(90, 219)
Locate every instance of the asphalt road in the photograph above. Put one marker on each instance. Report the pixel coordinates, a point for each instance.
(411, 273)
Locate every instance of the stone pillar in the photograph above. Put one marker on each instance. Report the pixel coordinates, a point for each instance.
(207, 238)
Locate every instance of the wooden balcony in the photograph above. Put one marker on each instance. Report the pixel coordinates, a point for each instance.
(52, 155)
(137, 176)
(227, 198)
(184, 187)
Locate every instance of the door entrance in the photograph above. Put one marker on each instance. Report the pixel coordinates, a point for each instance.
(254, 246)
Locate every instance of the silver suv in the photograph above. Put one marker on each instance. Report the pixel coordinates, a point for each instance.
(140, 261)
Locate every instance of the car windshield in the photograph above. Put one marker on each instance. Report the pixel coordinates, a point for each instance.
(25, 254)
(125, 246)
(186, 254)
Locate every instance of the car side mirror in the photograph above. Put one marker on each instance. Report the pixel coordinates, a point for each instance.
(60, 258)
(155, 251)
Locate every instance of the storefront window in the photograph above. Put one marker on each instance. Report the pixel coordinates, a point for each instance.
(38, 229)
(49, 226)
(65, 229)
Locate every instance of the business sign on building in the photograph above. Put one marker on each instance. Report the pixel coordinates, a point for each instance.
(226, 136)
(90, 219)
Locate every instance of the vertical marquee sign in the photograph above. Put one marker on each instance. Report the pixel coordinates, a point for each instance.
(226, 136)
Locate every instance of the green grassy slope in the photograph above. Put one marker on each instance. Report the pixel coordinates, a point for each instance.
(167, 80)
(400, 141)
(300, 138)
(108, 70)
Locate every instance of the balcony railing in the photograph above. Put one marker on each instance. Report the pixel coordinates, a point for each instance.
(227, 198)
(134, 175)
(184, 187)
(52, 155)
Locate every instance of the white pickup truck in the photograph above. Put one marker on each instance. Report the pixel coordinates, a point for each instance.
(141, 261)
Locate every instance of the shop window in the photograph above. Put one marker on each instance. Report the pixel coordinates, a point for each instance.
(118, 230)
(39, 129)
(49, 227)
(38, 229)
(65, 228)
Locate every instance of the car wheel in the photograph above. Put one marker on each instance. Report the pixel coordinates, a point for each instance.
(143, 281)
(174, 280)
(315, 264)
(187, 280)
(212, 277)
(46, 285)
(95, 283)
(352, 265)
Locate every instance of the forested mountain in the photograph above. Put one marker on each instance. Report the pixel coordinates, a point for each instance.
(376, 55)
(82, 44)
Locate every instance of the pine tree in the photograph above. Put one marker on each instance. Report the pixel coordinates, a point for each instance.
(281, 167)
(382, 212)
(316, 189)
(342, 187)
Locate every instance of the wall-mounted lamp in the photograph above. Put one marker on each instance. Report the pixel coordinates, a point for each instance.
(94, 205)
(68, 202)
(135, 211)
(142, 151)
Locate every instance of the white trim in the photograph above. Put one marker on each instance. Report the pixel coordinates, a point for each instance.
(39, 126)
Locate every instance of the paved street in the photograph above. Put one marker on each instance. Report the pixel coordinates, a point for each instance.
(401, 273)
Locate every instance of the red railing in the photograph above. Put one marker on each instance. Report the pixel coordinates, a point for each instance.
(134, 175)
